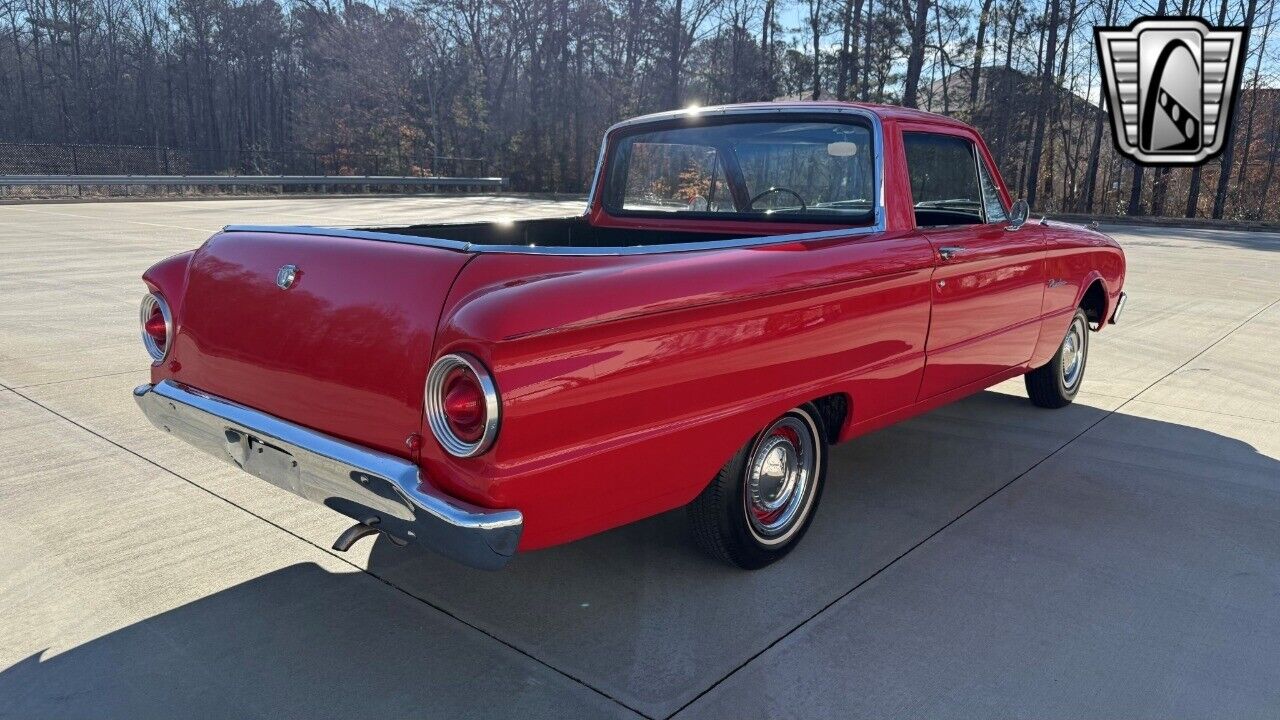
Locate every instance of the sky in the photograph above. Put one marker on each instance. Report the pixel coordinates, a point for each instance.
(793, 17)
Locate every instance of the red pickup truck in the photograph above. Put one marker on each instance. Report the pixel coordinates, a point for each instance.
(749, 285)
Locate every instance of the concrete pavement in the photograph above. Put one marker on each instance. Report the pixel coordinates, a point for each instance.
(1120, 557)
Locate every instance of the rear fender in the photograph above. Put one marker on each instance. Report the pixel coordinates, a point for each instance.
(168, 278)
(627, 382)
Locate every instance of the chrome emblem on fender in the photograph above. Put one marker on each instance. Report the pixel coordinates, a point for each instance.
(1170, 85)
(285, 276)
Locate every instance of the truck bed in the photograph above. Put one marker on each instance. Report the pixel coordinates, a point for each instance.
(564, 232)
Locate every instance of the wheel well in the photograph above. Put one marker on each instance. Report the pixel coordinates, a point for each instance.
(1094, 303)
(833, 408)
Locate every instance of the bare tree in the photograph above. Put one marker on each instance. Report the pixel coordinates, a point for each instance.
(524, 88)
(984, 20)
(1109, 9)
(817, 27)
(1228, 152)
(915, 13)
(1047, 91)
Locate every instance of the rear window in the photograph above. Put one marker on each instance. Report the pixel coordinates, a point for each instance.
(821, 171)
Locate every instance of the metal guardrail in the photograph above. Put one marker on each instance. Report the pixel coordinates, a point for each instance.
(15, 180)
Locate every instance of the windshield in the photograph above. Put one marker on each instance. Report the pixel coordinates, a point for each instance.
(802, 170)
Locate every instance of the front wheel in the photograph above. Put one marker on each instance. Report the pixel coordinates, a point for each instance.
(761, 502)
(1055, 384)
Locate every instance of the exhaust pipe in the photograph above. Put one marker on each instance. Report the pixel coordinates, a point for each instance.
(353, 534)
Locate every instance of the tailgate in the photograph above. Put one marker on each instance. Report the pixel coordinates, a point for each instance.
(344, 350)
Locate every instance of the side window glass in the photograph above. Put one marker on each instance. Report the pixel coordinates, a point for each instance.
(944, 180)
(991, 196)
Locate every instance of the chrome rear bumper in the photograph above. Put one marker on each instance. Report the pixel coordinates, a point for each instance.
(368, 486)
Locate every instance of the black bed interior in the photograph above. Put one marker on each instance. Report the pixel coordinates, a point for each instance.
(553, 232)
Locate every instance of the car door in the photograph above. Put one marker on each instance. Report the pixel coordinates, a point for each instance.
(988, 282)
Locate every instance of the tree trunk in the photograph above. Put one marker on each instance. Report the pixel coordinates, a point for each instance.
(1273, 158)
(1228, 153)
(864, 84)
(815, 26)
(766, 52)
(1193, 190)
(975, 77)
(848, 66)
(1253, 99)
(1095, 149)
(918, 25)
(1047, 94)
(675, 42)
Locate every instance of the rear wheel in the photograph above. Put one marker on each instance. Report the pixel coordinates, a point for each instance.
(1056, 383)
(761, 502)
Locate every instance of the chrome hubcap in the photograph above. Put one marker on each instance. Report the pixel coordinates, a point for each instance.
(780, 475)
(1073, 355)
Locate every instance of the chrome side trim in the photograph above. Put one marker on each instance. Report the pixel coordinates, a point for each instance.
(349, 233)
(550, 250)
(1115, 315)
(879, 224)
(368, 486)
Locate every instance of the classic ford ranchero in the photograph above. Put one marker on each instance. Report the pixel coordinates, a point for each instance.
(749, 284)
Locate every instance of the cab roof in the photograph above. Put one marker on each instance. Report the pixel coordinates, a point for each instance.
(884, 112)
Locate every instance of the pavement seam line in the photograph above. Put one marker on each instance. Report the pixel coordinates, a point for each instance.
(1106, 414)
(380, 579)
(117, 219)
(1250, 418)
(70, 380)
(1211, 346)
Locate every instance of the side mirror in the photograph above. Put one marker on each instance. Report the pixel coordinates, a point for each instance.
(1018, 214)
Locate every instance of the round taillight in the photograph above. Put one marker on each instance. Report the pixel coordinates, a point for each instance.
(157, 326)
(462, 405)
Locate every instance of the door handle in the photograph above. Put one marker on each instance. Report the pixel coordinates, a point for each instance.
(949, 252)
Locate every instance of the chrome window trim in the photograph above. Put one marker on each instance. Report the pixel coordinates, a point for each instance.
(877, 226)
(982, 169)
(144, 311)
(438, 421)
(877, 138)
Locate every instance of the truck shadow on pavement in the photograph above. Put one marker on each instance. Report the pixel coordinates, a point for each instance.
(639, 615)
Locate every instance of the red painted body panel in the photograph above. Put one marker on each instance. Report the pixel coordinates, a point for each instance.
(609, 368)
(628, 380)
(345, 351)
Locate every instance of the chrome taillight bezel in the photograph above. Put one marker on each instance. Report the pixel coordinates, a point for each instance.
(438, 421)
(150, 301)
